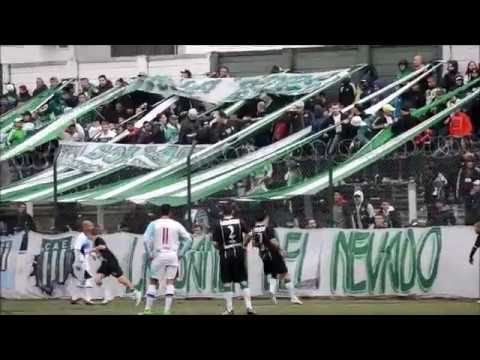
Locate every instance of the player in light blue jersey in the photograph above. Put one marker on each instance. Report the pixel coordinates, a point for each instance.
(81, 268)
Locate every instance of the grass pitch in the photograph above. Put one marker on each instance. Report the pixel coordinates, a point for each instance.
(262, 307)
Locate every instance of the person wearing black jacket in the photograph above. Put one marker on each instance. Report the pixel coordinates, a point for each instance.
(24, 221)
(40, 87)
(362, 213)
(346, 93)
(472, 204)
(476, 245)
(442, 215)
(188, 127)
(390, 215)
(405, 122)
(449, 78)
(416, 97)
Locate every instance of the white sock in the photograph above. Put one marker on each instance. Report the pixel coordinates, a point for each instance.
(150, 297)
(106, 293)
(170, 291)
(291, 290)
(247, 298)
(273, 285)
(229, 300)
(88, 296)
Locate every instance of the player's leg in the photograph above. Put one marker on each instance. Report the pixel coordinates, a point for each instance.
(137, 294)
(291, 290)
(171, 271)
(169, 292)
(99, 276)
(151, 295)
(272, 287)
(241, 276)
(153, 286)
(88, 289)
(271, 277)
(228, 296)
(226, 278)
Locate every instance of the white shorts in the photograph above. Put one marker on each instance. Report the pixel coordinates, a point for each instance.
(165, 266)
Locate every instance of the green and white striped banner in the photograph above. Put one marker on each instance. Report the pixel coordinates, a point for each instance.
(56, 128)
(321, 182)
(219, 147)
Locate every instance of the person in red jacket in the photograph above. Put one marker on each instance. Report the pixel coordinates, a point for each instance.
(460, 125)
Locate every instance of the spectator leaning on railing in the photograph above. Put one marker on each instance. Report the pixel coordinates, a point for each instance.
(40, 87)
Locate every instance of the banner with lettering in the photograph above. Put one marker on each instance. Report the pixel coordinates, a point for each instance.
(218, 90)
(92, 157)
(425, 262)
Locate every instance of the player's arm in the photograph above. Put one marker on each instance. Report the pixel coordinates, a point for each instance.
(474, 250)
(216, 235)
(186, 240)
(248, 237)
(148, 239)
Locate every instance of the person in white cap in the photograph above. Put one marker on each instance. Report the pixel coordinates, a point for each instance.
(360, 127)
(362, 213)
(188, 127)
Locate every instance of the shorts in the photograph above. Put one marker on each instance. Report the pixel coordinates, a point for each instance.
(164, 266)
(110, 267)
(274, 264)
(233, 267)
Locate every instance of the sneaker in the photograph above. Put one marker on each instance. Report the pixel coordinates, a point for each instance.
(105, 301)
(74, 302)
(250, 311)
(296, 300)
(478, 301)
(226, 312)
(137, 294)
(89, 302)
(146, 312)
(274, 299)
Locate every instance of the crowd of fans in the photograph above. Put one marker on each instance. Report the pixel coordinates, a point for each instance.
(189, 120)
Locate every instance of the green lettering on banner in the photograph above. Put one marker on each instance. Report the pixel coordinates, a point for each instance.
(373, 268)
(247, 88)
(340, 247)
(98, 152)
(435, 236)
(295, 247)
(115, 154)
(204, 87)
(391, 263)
(359, 250)
(408, 266)
(398, 261)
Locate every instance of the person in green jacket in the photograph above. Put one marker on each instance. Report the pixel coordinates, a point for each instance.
(172, 129)
(403, 69)
(17, 135)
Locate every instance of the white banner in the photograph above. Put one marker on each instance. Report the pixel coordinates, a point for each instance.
(429, 262)
(218, 90)
(93, 157)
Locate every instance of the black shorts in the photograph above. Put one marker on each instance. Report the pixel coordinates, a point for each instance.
(110, 267)
(274, 264)
(233, 267)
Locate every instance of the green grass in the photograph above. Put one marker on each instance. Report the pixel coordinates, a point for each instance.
(262, 306)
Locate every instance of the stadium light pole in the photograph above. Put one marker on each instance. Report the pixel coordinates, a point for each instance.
(330, 190)
(55, 190)
(189, 180)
